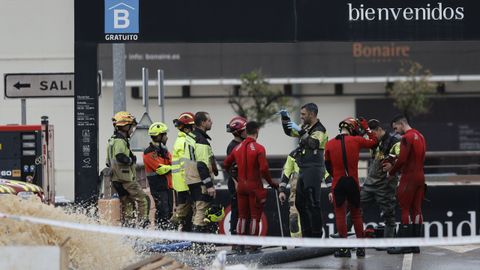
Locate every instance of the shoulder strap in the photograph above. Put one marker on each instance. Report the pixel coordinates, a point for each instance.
(344, 154)
(245, 159)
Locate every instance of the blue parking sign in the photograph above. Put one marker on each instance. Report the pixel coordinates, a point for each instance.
(121, 16)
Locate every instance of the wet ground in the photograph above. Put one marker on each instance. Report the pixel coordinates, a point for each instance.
(430, 258)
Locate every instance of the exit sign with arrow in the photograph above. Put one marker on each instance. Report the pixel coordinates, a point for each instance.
(38, 85)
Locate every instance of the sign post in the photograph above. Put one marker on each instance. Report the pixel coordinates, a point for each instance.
(39, 85)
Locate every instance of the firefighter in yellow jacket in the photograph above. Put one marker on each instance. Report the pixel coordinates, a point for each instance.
(122, 162)
(184, 123)
(200, 169)
(290, 176)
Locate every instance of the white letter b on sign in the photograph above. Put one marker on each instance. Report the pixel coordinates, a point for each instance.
(120, 19)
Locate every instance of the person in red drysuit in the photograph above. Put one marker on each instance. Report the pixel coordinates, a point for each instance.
(411, 190)
(345, 186)
(252, 166)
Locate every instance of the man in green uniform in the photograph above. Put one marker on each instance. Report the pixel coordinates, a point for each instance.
(377, 187)
(122, 162)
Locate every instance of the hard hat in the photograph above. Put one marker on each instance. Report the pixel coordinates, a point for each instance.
(186, 118)
(123, 118)
(237, 125)
(351, 125)
(157, 128)
(215, 213)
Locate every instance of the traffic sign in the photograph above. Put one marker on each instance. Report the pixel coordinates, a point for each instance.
(39, 85)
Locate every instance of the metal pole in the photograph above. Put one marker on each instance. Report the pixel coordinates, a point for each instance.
(46, 160)
(279, 216)
(100, 82)
(119, 99)
(161, 93)
(145, 88)
(24, 111)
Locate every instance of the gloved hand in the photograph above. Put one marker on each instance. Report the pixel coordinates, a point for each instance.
(214, 165)
(282, 197)
(274, 185)
(134, 159)
(364, 124)
(284, 113)
(292, 125)
(211, 192)
(234, 171)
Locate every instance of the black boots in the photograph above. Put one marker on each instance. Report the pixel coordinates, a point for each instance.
(360, 252)
(389, 231)
(345, 253)
(407, 230)
(342, 253)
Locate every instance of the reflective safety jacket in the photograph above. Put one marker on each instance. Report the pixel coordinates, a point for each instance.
(178, 172)
(120, 159)
(158, 165)
(198, 158)
(291, 169)
(311, 145)
(387, 148)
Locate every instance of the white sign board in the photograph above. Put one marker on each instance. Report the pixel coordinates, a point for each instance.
(39, 85)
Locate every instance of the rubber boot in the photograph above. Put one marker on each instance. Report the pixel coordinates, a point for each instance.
(143, 224)
(360, 252)
(404, 231)
(388, 232)
(418, 230)
(342, 253)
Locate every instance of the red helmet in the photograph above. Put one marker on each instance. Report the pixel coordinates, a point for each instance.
(186, 118)
(237, 125)
(351, 125)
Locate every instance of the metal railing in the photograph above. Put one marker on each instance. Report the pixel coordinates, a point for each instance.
(446, 165)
